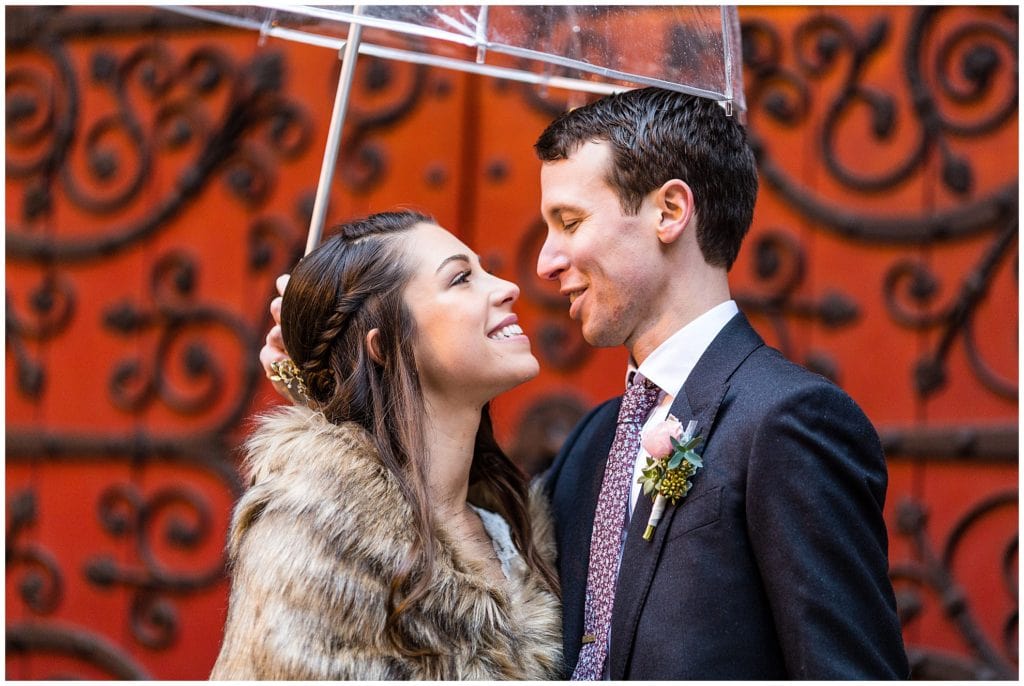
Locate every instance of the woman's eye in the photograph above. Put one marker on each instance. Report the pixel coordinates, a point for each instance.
(461, 278)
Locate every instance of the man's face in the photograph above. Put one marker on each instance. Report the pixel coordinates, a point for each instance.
(608, 263)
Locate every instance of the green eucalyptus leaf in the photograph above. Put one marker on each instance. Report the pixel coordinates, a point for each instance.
(694, 459)
(675, 461)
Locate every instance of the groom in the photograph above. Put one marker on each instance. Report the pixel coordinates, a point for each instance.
(774, 564)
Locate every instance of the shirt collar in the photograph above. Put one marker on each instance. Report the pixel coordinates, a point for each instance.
(671, 362)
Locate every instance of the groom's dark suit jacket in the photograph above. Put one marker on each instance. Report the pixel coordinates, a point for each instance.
(774, 566)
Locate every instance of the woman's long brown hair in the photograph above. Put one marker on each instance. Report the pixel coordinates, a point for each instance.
(351, 284)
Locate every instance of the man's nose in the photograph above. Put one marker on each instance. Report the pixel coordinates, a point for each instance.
(551, 261)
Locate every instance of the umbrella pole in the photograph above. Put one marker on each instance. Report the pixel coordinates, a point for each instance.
(323, 189)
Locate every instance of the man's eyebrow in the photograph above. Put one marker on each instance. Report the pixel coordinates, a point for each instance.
(453, 258)
(557, 211)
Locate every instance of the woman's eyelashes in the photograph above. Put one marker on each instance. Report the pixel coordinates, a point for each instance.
(464, 275)
(461, 278)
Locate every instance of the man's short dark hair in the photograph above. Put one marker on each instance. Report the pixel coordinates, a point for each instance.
(657, 135)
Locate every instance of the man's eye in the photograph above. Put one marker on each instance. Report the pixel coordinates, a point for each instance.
(571, 225)
(461, 277)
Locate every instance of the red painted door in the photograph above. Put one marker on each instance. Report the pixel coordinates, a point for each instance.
(160, 172)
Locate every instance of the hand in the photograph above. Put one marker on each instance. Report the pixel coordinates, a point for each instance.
(274, 350)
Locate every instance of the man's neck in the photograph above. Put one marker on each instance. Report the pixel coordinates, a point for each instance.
(684, 301)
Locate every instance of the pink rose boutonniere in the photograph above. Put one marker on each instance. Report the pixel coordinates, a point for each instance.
(671, 463)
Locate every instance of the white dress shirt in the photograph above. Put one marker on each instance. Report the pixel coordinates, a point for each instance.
(670, 365)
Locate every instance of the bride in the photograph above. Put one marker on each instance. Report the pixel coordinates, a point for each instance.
(384, 534)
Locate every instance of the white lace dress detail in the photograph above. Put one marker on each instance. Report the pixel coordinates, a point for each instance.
(501, 538)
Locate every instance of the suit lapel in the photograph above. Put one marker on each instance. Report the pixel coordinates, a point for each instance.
(588, 490)
(699, 398)
(574, 541)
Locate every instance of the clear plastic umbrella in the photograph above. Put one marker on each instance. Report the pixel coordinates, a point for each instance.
(591, 48)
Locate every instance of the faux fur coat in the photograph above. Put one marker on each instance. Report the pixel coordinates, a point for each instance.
(312, 545)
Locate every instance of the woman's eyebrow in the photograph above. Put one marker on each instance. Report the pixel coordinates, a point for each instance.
(453, 258)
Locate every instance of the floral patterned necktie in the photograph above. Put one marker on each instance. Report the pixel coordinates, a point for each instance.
(609, 521)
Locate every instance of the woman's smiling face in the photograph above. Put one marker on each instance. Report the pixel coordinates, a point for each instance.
(468, 341)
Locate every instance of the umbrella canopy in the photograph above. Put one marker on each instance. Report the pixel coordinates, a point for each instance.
(591, 48)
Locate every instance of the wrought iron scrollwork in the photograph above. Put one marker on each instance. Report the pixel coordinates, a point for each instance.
(51, 307)
(42, 110)
(75, 642)
(41, 585)
(186, 519)
(201, 117)
(543, 429)
(969, 63)
(780, 268)
(778, 94)
(934, 572)
(989, 443)
(230, 145)
(228, 122)
(910, 290)
(393, 91)
(274, 244)
(185, 371)
(559, 36)
(136, 384)
(951, 61)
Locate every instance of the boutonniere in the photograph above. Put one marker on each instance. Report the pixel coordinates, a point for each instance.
(671, 463)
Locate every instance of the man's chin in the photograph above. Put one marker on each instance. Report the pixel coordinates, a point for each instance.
(601, 337)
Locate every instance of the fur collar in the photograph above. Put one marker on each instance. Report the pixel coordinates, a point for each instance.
(325, 524)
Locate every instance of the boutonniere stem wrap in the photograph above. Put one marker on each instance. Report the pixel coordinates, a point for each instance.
(672, 462)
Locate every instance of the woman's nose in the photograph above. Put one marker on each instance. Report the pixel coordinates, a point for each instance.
(505, 292)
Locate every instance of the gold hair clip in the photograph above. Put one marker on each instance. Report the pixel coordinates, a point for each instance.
(288, 373)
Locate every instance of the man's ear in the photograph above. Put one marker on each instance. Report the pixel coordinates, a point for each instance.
(675, 203)
(373, 346)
